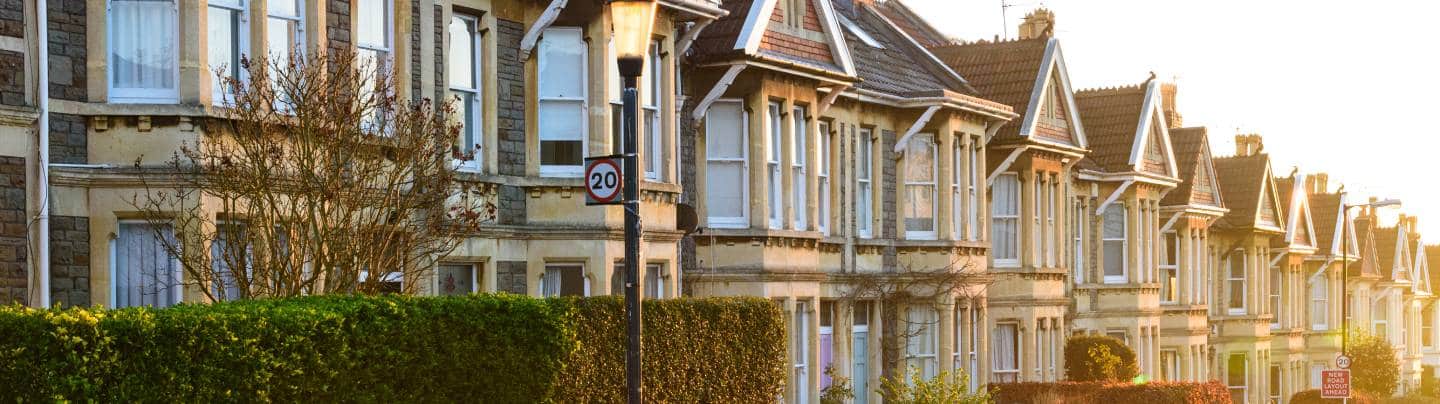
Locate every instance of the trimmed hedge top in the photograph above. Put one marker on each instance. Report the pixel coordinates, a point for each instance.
(495, 348)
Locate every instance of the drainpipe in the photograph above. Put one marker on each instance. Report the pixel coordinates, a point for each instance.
(42, 17)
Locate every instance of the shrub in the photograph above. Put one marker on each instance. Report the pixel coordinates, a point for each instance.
(695, 351)
(491, 348)
(839, 391)
(945, 388)
(1313, 397)
(1374, 368)
(1099, 358)
(313, 348)
(1110, 393)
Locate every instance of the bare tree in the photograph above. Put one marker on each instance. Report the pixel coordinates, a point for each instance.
(317, 179)
(909, 286)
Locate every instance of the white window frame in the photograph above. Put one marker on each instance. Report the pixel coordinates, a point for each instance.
(1276, 280)
(932, 184)
(957, 198)
(1014, 372)
(241, 46)
(1169, 365)
(475, 276)
(922, 348)
(217, 258)
(743, 160)
(822, 177)
(1037, 234)
(558, 266)
(1169, 267)
(1381, 319)
(1082, 218)
(385, 62)
(865, 184)
(655, 288)
(473, 121)
(973, 168)
(297, 42)
(1009, 220)
(1320, 298)
(1243, 388)
(1231, 281)
(141, 95)
(801, 360)
(654, 139)
(1123, 239)
(547, 170)
(775, 182)
(799, 171)
(177, 291)
(1052, 249)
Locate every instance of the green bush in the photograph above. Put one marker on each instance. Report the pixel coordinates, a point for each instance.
(1313, 397)
(1099, 358)
(491, 348)
(1109, 393)
(945, 388)
(695, 351)
(1374, 368)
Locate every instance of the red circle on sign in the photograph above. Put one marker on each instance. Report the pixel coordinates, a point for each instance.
(591, 190)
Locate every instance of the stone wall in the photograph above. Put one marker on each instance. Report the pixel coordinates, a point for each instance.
(337, 26)
(12, 18)
(888, 206)
(67, 139)
(13, 251)
(70, 260)
(510, 106)
(510, 277)
(67, 50)
(12, 78)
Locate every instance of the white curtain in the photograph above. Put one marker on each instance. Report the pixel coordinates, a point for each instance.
(143, 44)
(550, 286)
(1003, 353)
(145, 274)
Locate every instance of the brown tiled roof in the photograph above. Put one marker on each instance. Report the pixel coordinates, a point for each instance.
(900, 68)
(1432, 257)
(1003, 71)
(912, 24)
(1111, 116)
(1241, 180)
(1189, 145)
(1385, 239)
(1325, 208)
(717, 41)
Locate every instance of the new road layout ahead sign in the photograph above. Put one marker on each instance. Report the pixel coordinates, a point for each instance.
(604, 180)
(1335, 383)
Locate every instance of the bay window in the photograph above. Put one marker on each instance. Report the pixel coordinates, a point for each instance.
(562, 96)
(799, 152)
(227, 37)
(726, 177)
(143, 271)
(1113, 232)
(777, 204)
(1005, 220)
(920, 187)
(144, 47)
(463, 71)
(864, 184)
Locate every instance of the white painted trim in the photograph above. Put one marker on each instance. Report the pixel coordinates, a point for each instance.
(716, 92)
(1174, 218)
(1151, 110)
(829, 99)
(1004, 165)
(837, 39)
(532, 36)
(1300, 200)
(1053, 62)
(1100, 210)
(1319, 271)
(756, 21)
(683, 44)
(915, 128)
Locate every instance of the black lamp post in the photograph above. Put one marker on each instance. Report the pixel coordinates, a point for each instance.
(631, 22)
(1345, 268)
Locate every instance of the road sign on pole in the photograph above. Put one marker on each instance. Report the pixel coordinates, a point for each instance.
(1342, 361)
(604, 179)
(1335, 383)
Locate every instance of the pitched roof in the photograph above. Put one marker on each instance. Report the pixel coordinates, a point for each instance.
(1192, 150)
(1111, 116)
(717, 41)
(1242, 179)
(1385, 251)
(730, 37)
(1325, 209)
(1002, 71)
(878, 68)
(1432, 254)
(913, 24)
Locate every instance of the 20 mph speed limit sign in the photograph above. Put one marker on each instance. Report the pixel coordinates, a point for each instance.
(604, 180)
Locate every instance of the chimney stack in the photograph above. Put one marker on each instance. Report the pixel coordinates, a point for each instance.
(1370, 210)
(1038, 24)
(1248, 145)
(1167, 102)
(1317, 183)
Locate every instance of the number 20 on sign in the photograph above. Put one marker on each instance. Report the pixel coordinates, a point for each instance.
(604, 180)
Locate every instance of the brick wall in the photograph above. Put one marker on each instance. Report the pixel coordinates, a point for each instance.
(337, 25)
(510, 277)
(12, 78)
(67, 50)
(887, 199)
(12, 18)
(70, 260)
(13, 251)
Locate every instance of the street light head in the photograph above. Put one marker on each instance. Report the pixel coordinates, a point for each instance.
(631, 22)
(1385, 203)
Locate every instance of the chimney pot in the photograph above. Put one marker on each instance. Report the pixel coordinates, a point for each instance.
(1038, 24)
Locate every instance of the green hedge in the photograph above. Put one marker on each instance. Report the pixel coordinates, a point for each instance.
(720, 350)
(1313, 397)
(1110, 393)
(494, 348)
(1099, 358)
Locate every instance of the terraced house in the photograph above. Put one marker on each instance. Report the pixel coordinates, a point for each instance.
(1030, 169)
(1186, 272)
(1335, 249)
(1287, 371)
(828, 169)
(1401, 291)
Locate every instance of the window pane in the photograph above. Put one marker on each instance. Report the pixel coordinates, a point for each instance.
(562, 63)
(725, 183)
(1114, 258)
(562, 120)
(370, 28)
(144, 270)
(281, 39)
(1115, 222)
(462, 53)
(143, 44)
(469, 122)
(457, 279)
(283, 7)
(920, 208)
(920, 160)
(724, 133)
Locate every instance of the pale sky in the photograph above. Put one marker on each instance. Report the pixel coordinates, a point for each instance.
(1338, 87)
